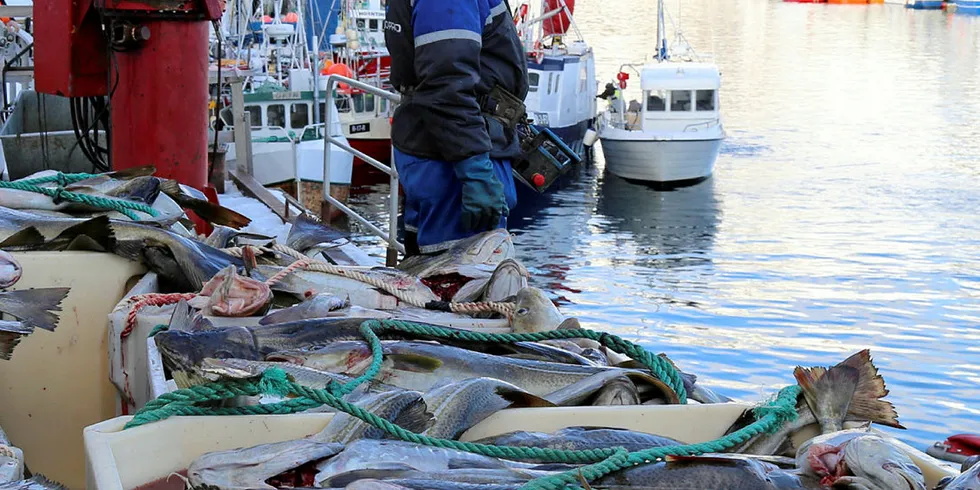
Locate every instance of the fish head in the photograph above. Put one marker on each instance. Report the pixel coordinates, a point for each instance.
(339, 357)
(183, 351)
(534, 312)
(875, 460)
(491, 248)
(10, 270)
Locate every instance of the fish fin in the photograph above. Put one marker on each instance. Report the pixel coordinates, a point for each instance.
(414, 363)
(40, 480)
(521, 398)
(830, 395)
(10, 335)
(98, 231)
(570, 324)
(34, 306)
(308, 230)
(131, 173)
(415, 417)
(88, 183)
(24, 238)
(185, 379)
(867, 403)
(206, 210)
(631, 364)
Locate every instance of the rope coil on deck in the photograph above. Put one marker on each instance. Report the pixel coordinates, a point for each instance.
(59, 194)
(769, 417)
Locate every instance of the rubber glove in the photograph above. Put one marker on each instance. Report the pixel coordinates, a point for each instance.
(483, 194)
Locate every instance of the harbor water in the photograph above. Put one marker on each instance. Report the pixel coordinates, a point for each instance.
(844, 212)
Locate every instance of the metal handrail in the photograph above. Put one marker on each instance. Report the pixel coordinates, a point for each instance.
(391, 237)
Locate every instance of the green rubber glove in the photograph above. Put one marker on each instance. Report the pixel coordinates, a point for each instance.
(483, 194)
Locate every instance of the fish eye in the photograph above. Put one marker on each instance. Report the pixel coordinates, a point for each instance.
(523, 311)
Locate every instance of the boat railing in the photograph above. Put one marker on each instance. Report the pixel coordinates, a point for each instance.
(695, 127)
(391, 236)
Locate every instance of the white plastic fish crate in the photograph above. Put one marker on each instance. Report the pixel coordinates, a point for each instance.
(125, 459)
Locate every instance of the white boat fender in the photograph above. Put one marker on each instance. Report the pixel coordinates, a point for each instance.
(591, 136)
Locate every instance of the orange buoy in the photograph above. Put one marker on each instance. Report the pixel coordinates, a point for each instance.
(291, 18)
(342, 70)
(325, 69)
(266, 19)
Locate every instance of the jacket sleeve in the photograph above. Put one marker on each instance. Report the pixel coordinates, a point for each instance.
(448, 40)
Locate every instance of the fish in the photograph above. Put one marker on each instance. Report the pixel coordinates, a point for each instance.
(702, 473)
(486, 249)
(34, 307)
(460, 478)
(581, 439)
(858, 459)
(26, 200)
(428, 484)
(204, 209)
(420, 366)
(459, 406)
(224, 236)
(10, 270)
(36, 482)
(534, 312)
(404, 408)
(229, 294)
(215, 369)
(308, 232)
(509, 277)
(317, 306)
(865, 404)
(371, 484)
(186, 264)
(183, 351)
(969, 479)
(619, 391)
(361, 294)
(539, 351)
(249, 468)
(587, 390)
(11, 333)
(368, 454)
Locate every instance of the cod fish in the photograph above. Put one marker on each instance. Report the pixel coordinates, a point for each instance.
(534, 312)
(609, 387)
(34, 307)
(36, 482)
(404, 408)
(705, 472)
(224, 236)
(249, 468)
(459, 406)
(507, 279)
(10, 270)
(853, 392)
(229, 294)
(581, 439)
(420, 366)
(486, 249)
(968, 480)
(10, 335)
(858, 459)
(215, 369)
(361, 294)
(310, 236)
(316, 306)
(386, 456)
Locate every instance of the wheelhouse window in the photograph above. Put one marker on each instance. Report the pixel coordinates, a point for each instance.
(532, 81)
(373, 25)
(276, 115)
(254, 115)
(680, 100)
(323, 111)
(358, 103)
(369, 102)
(656, 101)
(299, 115)
(551, 77)
(705, 100)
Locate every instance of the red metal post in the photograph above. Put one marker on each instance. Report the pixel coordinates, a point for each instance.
(159, 107)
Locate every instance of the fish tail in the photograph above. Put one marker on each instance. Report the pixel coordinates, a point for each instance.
(34, 306)
(10, 335)
(95, 233)
(829, 395)
(208, 211)
(868, 403)
(415, 417)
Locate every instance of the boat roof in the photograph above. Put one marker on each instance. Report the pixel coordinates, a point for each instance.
(672, 75)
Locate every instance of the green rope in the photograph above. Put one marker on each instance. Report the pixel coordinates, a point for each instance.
(60, 194)
(769, 417)
(157, 329)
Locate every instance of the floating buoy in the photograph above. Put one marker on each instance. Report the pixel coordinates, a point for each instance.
(291, 18)
(590, 137)
(325, 69)
(266, 19)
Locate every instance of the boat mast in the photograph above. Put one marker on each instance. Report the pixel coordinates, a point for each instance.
(661, 33)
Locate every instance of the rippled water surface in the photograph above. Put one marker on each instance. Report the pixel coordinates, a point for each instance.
(844, 211)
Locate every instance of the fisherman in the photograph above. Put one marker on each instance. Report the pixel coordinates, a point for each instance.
(453, 144)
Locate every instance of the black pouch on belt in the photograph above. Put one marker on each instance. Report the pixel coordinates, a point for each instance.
(504, 107)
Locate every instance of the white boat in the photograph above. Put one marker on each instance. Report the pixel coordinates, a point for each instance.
(561, 71)
(673, 134)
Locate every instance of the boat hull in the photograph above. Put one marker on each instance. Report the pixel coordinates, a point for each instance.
(924, 4)
(378, 149)
(676, 162)
(964, 6)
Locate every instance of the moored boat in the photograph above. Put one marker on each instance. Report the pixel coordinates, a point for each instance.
(673, 134)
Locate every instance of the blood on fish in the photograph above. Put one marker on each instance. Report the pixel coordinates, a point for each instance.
(303, 476)
(445, 286)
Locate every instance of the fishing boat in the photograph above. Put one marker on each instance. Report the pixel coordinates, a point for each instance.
(673, 134)
(561, 71)
(359, 52)
(963, 6)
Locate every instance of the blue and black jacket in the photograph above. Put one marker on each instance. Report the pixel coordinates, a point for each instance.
(446, 55)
